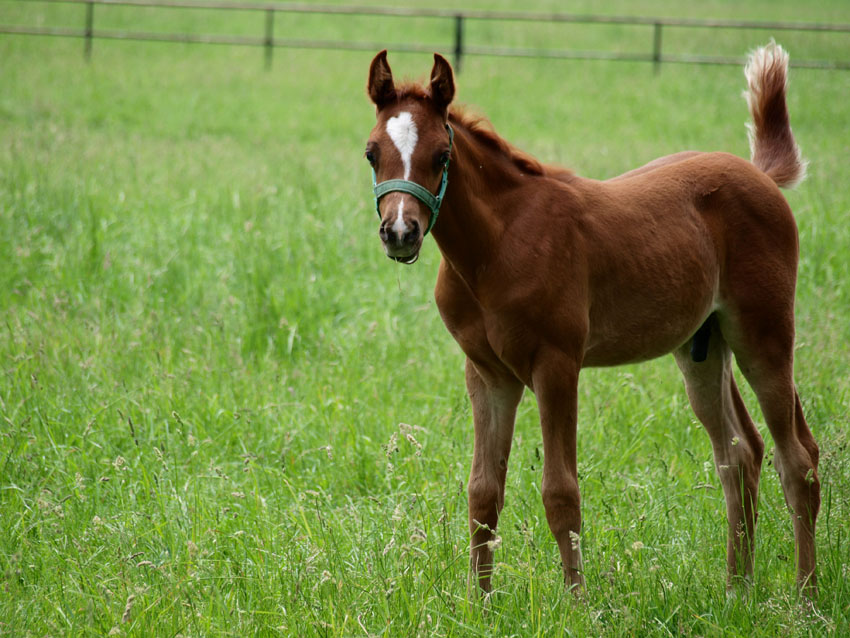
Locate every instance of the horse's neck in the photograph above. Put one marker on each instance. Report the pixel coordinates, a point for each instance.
(474, 217)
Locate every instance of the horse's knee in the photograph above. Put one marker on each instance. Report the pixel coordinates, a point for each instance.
(562, 503)
(485, 500)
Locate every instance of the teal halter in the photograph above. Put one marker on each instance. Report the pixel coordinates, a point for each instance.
(412, 188)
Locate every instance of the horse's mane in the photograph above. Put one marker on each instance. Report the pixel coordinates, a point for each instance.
(482, 130)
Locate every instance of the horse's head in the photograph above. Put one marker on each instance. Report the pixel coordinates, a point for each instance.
(409, 150)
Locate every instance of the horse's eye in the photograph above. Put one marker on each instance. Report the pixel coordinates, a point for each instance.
(370, 157)
(444, 158)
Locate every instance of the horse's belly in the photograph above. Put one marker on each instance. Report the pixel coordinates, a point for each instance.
(639, 336)
(633, 349)
(649, 296)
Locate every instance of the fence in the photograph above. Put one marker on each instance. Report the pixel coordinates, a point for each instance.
(458, 17)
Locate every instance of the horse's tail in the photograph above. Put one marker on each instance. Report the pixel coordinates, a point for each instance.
(772, 145)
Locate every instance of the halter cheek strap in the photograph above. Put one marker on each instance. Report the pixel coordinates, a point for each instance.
(417, 190)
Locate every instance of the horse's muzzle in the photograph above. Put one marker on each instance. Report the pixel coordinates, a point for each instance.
(402, 246)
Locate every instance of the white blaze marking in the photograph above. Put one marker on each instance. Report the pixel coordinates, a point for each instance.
(399, 226)
(403, 133)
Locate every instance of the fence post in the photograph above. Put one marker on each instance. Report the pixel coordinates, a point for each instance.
(269, 42)
(656, 48)
(89, 32)
(458, 41)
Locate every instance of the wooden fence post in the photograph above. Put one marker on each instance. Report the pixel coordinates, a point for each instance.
(656, 48)
(458, 41)
(269, 42)
(89, 33)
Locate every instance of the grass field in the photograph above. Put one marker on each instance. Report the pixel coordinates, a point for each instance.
(223, 412)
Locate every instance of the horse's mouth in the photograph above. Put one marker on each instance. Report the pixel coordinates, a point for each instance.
(408, 260)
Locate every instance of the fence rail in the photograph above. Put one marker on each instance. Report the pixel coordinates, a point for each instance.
(458, 17)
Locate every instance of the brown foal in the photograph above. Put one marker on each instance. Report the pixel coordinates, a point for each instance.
(544, 272)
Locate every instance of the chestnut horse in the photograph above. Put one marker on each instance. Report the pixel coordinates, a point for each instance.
(544, 272)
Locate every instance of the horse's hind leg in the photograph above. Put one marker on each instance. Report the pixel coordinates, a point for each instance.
(738, 447)
(764, 348)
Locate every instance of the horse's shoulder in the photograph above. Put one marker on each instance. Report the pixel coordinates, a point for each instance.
(454, 298)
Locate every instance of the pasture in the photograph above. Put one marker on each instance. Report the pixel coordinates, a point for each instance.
(223, 412)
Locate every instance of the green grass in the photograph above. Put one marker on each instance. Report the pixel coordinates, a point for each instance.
(207, 364)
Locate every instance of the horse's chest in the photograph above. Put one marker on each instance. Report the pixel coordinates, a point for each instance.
(514, 341)
(489, 336)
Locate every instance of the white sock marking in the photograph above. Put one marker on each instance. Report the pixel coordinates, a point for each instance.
(403, 133)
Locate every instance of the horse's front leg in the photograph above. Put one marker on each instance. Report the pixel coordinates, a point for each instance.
(495, 395)
(555, 380)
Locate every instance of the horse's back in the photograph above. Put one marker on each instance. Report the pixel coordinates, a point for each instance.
(657, 163)
(727, 191)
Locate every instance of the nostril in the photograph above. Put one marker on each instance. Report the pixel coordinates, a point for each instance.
(383, 232)
(412, 235)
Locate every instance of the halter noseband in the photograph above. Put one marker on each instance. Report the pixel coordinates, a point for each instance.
(418, 191)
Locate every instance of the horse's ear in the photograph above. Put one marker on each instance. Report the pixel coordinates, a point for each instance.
(381, 87)
(442, 82)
